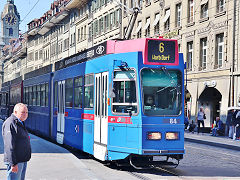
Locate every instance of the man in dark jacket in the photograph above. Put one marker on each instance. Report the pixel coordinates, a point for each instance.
(17, 148)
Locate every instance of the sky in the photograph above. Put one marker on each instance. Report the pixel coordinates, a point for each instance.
(24, 7)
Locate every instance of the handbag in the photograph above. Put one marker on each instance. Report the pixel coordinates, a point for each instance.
(204, 116)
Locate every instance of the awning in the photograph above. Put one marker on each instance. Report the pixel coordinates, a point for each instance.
(139, 27)
(156, 20)
(204, 2)
(147, 24)
(167, 15)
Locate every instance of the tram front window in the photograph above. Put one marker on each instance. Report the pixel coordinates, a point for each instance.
(161, 92)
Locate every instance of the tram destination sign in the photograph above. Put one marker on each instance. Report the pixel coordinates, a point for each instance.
(161, 51)
(83, 56)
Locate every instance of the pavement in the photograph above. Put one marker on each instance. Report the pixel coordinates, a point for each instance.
(51, 161)
(206, 138)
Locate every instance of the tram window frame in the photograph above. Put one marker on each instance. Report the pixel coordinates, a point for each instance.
(124, 103)
(47, 94)
(30, 95)
(39, 95)
(88, 91)
(4, 98)
(80, 88)
(27, 96)
(69, 89)
(43, 95)
(24, 95)
(34, 97)
(56, 94)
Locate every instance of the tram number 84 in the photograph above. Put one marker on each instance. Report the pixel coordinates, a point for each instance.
(173, 121)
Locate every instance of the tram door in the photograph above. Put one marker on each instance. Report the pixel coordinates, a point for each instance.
(61, 112)
(101, 116)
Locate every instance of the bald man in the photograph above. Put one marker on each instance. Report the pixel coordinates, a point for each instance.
(17, 148)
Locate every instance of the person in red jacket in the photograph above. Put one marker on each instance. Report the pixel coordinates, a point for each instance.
(17, 148)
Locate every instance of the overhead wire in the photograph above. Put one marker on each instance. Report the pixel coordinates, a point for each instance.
(29, 12)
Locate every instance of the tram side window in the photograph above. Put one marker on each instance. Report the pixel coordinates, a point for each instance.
(55, 93)
(26, 95)
(0, 99)
(38, 95)
(69, 93)
(30, 96)
(43, 95)
(47, 94)
(124, 88)
(88, 91)
(78, 92)
(34, 95)
(3, 99)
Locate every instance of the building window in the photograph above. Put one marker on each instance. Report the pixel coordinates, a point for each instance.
(179, 48)
(156, 23)
(78, 34)
(139, 29)
(125, 31)
(204, 10)
(220, 6)
(74, 38)
(219, 50)
(166, 20)
(36, 56)
(148, 2)
(203, 54)
(189, 55)
(10, 32)
(178, 14)
(147, 27)
(190, 11)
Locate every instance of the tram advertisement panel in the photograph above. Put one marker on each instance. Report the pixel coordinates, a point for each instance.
(162, 51)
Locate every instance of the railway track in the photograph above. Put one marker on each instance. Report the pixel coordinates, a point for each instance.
(143, 174)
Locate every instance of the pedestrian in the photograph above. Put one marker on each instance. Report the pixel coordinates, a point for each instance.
(186, 122)
(236, 124)
(229, 123)
(200, 118)
(218, 130)
(17, 148)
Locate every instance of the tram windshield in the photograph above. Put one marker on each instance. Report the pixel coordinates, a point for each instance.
(161, 92)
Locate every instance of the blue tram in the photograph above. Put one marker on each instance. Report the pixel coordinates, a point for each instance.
(37, 92)
(120, 100)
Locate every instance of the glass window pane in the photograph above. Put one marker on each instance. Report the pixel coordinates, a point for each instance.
(69, 92)
(89, 79)
(43, 95)
(161, 92)
(47, 94)
(38, 95)
(30, 96)
(119, 91)
(55, 93)
(130, 92)
(34, 95)
(78, 93)
(88, 97)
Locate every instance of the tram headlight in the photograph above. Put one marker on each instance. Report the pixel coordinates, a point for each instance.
(172, 135)
(154, 136)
